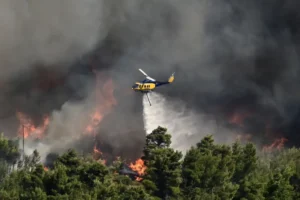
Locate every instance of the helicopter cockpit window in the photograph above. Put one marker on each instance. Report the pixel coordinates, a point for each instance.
(135, 85)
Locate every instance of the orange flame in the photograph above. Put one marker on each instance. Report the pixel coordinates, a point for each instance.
(26, 125)
(277, 144)
(96, 118)
(97, 155)
(138, 167)
(97, 151)
(103, 162)
(105, 101)
(46, 169)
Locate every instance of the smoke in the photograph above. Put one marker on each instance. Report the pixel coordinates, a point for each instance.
(40, 41)
(185, 125)
(48, 33)
(40, 45)
(230, 58)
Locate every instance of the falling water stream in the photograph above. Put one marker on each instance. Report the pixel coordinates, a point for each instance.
(186, 127)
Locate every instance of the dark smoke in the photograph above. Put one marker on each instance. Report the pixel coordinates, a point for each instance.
(255, 50)
(50, 160)
(229, 57)
(125, 170)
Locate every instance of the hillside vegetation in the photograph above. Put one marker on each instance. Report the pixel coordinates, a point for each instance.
(208, 171)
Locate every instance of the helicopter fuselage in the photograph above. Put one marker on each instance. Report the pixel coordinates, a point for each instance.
(149, 84)
(143, 87)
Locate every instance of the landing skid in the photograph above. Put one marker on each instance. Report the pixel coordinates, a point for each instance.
(148, 99)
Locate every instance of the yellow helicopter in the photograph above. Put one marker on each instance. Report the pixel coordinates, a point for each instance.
(149, 84)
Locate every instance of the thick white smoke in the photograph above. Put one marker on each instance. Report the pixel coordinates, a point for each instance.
(65, 128)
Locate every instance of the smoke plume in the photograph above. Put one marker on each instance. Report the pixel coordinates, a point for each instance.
(48, 33)
(236, 64)
(232, 58)
(41, 43)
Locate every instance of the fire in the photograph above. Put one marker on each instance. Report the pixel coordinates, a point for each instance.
(29, 129)
(238, 118)
(139, 167)
(97, 155)
(277, 144)
(46, 169)
(103, 162)
(105, 101)
(97, 151)
(96, 118)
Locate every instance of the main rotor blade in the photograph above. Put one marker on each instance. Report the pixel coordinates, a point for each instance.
(143, 72)
(147, 77)
(150, 78)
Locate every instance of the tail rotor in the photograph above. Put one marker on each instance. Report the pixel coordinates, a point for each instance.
(172, 77)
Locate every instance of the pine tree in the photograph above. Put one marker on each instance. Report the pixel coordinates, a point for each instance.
(279, 186)
(163, 174)
(207, 171)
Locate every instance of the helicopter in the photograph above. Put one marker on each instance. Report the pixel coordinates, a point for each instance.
(149, 84)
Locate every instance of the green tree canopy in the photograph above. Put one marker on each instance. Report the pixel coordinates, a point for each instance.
(163, 173)
(208, 171)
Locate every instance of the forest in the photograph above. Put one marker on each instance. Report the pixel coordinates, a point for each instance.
(207, 171)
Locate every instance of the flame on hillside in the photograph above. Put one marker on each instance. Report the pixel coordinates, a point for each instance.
(138, 167)
(28, 128)
(104, 101)
(278, 144)
(238, 119)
